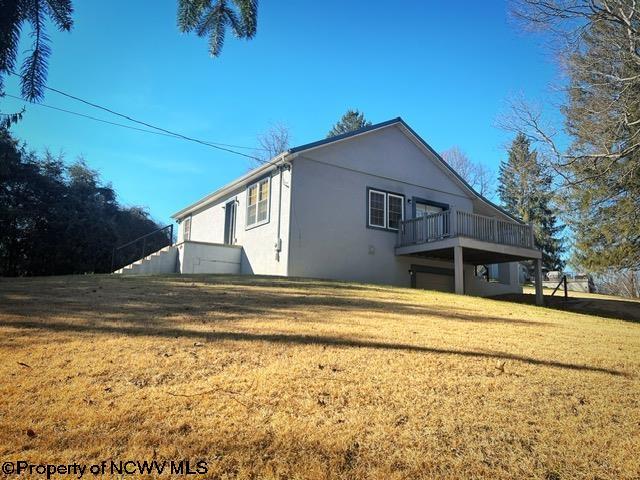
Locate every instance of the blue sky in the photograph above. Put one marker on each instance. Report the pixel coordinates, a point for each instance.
(446, 68)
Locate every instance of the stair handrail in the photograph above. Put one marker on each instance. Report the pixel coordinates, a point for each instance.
(142, 237)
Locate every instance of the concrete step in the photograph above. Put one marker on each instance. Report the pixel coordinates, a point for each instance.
(161, 261)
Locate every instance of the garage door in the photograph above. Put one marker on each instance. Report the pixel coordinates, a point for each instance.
(435, 281)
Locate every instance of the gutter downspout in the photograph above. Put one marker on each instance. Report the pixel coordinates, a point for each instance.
(278, 246)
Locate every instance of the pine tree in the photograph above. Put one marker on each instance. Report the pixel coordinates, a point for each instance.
(207, 18)
(525, 188)
(58, 219)
(350, 121)
(597, 43)
(38, 14)
(211, 20)
(603, 165)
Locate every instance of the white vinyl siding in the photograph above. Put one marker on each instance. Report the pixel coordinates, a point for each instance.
(377, 209)
(258, 203)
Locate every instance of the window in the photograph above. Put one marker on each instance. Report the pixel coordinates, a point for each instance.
(385, 209)
(423, 209)
(438, 227)
(396, 211)
(377, 211)
(186, 229)
(258, 203)
(230, 223)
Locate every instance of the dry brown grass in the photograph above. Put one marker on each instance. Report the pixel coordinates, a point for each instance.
(273, 378)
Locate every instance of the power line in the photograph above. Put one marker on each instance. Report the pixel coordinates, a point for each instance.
(102, 120)
(90, 117)
(140, 122)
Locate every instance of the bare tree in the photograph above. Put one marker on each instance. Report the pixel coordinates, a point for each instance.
(598, 44)
(625, 283)
(481, 178)
(272, 143)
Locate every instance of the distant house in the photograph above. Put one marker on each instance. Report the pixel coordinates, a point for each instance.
(375, 205)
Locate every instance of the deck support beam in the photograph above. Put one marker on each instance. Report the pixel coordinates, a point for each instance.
(539, 295)
(458, 270)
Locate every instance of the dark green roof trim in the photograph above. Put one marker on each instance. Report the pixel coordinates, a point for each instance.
(400, 121)
(326, 141)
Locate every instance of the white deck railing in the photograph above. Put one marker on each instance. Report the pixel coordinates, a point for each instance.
(454, 223)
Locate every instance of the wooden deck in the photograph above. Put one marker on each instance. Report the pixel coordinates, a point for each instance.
(470, 238)
(455, 223)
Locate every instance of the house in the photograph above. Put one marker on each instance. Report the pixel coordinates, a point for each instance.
(375, 205)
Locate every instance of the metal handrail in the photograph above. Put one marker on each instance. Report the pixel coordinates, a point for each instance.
(142, 238)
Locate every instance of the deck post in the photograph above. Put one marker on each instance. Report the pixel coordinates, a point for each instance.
(453, 221)
(539, 296)
(458, 270)
(532, 237)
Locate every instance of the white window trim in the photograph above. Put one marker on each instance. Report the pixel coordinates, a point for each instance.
(186, 233)
(401, 197)
(384, 217)
(248, 225)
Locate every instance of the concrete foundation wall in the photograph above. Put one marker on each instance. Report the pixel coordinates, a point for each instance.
(507, 281)
(198, 257)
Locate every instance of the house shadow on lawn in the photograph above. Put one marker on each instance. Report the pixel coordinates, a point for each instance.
(160, 300)
(622, 309)
(200, 308)
(297, 339)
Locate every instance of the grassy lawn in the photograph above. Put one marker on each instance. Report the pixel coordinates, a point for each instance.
(273, 378)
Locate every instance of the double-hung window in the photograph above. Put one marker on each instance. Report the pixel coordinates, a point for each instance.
(377, 209)
(385, 209)
(186, 229)
(258, 203)
(395, 211)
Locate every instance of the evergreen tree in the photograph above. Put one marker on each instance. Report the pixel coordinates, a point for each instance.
(211, 19)
(603, 163)
(208, 18)
(36, 13)
(525, 188)
(598, 42)
(57, 219)
(350, 121)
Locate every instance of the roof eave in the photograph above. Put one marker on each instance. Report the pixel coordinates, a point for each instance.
(217, 194)
(457, 175)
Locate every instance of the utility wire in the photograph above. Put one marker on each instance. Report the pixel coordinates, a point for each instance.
(149, 125)
(102, 120)
(90, 117)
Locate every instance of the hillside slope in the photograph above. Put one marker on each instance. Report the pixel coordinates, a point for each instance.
(275, 378)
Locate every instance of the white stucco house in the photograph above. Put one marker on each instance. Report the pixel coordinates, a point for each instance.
(375, 205)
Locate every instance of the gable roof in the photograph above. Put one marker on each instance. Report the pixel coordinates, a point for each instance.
(408, 130)
(337, 138)
(261, 170)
